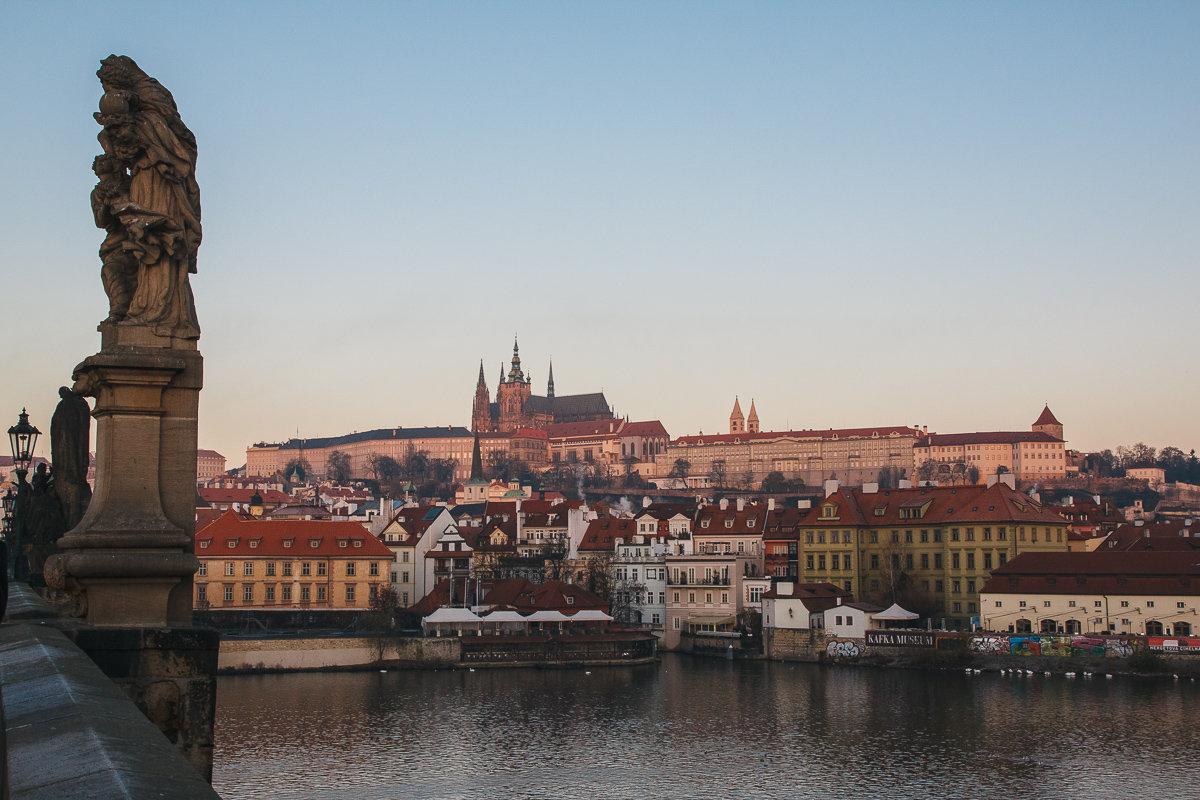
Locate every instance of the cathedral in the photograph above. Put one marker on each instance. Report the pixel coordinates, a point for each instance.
(517, 407)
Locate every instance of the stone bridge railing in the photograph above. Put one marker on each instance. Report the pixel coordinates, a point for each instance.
(68, 731)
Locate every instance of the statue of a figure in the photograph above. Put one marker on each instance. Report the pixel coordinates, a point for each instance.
(147, 200)
(69, 435)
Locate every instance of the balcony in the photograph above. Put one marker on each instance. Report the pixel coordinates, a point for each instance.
(715, 580)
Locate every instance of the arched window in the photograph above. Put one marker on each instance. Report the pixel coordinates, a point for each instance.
(1073, 626)
(1183, 629)
(1154, 627)
(1049, 626)
(1024, 626)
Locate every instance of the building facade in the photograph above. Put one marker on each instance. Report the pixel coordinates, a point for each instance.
(1039, 453)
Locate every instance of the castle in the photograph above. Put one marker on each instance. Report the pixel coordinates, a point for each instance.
(517, 407)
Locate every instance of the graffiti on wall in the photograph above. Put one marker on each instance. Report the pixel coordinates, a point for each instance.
(1034, 644)
(843, 648)
(990, 645)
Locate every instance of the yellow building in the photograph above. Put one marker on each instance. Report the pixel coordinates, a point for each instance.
(929, 548)
(250, 563)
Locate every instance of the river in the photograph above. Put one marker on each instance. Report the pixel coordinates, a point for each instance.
(696, 728)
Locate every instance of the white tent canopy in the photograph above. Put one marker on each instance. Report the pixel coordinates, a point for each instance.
(452, 615)
(504, 616)
(895, 614)
(590, 615)
(547, 616)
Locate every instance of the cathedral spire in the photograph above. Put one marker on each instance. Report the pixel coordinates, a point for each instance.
(476, 460)
(481, 382)
(501, 372)
(550, 382)
(737, 422)
(515, 375)
(752, 419)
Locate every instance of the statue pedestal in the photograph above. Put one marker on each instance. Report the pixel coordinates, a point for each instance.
(131, 558)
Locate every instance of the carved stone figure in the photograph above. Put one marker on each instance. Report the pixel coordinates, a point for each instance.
(148, 201)
(69, 433)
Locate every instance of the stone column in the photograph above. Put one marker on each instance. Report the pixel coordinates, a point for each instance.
(131, 558)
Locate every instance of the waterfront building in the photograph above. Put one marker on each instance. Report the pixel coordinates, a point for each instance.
(1178, 535)
(743, 457)
(793, 613)
(851, 620)
(639, 585)
(409, 535)
(725, 528)
(704, 592)
(517, 407)
(1152, 593)
(1036, 454)
(929, 547)
(250, 563)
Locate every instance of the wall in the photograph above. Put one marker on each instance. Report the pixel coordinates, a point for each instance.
(250, 655)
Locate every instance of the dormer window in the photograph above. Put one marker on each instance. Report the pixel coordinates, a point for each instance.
(880, 510)
(829, 511)
(288, 542)
(358, 542)
(231, 543)
(704, 523)
(254, 543)
(314, 543)
(342, 543)
(729, 523)
(204, 543)
(750, 522)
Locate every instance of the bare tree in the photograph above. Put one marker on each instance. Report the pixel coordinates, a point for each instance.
(337, 467)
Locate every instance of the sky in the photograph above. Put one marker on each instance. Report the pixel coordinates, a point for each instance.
(855, 214)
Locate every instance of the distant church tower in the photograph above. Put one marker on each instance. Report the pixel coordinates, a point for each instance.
(752, 420)
(513, 393)
(737, 422)
(550, 383)
(481, 416)
(1047, 423)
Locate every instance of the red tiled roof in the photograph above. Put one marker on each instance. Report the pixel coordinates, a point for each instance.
(236, 534)
(983, 437)
(1100, 572)
(1047, 418)
(602, 533)
(750, 521)
(567, 430)
(208, 454)
(217, 495)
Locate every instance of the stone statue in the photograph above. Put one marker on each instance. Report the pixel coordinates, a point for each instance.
(147, 201)
(69, 433)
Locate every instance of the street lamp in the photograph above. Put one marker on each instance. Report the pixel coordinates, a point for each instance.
(23, 438)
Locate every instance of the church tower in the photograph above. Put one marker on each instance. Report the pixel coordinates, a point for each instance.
(481, 415)
(752, 420)
(1047, 423)
(550, 383)
(737, 422)
(512, 395)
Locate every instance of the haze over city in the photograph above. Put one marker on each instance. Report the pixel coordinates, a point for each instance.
(865, 214)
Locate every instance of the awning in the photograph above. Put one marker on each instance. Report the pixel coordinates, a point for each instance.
(895, 614)
(547, 616)
(590, 615)
(712, 620)
(504, 616)
(452, 615)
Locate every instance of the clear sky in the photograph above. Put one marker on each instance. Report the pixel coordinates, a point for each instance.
(857, 214)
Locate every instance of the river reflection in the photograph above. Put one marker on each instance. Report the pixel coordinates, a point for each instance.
(698, 728)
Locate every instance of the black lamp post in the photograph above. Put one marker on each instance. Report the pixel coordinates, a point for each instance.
(23, 439)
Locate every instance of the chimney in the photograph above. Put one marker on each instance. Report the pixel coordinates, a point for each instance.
(771, 504)
(831, 487)
(870, 488)
(784, 587)
(646, 502)
(741, 504)
(1096, 499)
(839, 600)
(992, 480)
(804, 505)
(724, 504)
(904, 483)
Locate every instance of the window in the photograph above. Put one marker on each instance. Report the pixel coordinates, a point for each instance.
(924, 534)
(203, 569)
(321, 596)
(247, 593)
(987, 560)
(924, 560)
(350, 593)
(248, 568)
(202, 593)
(350, 569)
(305, 594)
(970, 587)
(954, 563)
(808, 561)
(229, 568)
(674, 597)
(1149, 604)
(987, 534)
(305, 569)
(954, 534)
(228, 594)
(676, 622)
(970, 534)
(270, 568)
(321, 567)
(654, 619)
(956, 587)
(937, 560)
(908, 537)
(1179, 605)
(374, 569)
(286, 594)
(724, 597)
(971, 560)
(404, 557)
(821, 562)
(270, 593)
(708, 597)
(691, 597)
(1124, 604)
(874, 561)
(999, 604)
(937, 535)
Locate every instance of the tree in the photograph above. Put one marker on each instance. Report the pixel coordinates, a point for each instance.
(748, 478)
(337, 467)
(719, 472)
(973, 474)
(927, 470)
(887, 478)
(297, 466)
(680, 469)
(775, 483)
(385, 468)
(631, 479)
